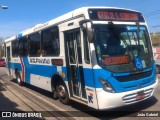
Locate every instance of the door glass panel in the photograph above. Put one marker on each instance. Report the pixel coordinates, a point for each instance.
(78, 40)
(82, 82)
(74, 80)
(71, 48)
(8, 60)
(8, 54)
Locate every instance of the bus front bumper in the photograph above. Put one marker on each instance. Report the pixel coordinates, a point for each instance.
(114, 100)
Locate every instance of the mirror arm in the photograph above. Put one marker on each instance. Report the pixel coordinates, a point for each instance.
(85, 21)
(89, 32)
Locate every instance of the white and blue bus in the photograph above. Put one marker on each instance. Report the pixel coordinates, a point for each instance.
(99, 56)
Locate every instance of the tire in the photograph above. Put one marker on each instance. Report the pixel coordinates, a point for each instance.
(54, 95)
(157, 69)
(18, 78)
(62, 93)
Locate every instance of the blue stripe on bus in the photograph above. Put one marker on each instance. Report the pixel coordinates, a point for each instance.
(91, 76)
(14, 66)
(88, 77)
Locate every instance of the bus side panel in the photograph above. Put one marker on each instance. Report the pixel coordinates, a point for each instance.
(38, 74)
(13, 67)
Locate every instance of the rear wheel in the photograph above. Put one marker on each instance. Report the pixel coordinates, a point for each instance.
(55, 95)
(62, 93)
(18, 78)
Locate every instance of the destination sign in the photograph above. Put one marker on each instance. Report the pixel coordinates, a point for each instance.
(115, 15)
(116, 60)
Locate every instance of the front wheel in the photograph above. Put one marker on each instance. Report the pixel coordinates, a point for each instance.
(157, 69)
(62, 93)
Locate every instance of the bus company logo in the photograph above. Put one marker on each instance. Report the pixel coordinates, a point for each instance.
(42, 61)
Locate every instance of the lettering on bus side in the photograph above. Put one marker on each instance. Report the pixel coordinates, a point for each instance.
(41, 26)
(40, 60)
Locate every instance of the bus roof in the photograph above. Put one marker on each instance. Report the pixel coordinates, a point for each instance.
(77, 12)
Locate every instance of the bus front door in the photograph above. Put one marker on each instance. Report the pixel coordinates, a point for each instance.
(74, 64)
(8, 60)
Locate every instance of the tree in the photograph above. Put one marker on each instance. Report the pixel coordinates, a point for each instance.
(1, 51)
(1, 40)
(155, 39)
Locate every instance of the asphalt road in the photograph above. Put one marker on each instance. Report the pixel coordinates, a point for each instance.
(31, 99)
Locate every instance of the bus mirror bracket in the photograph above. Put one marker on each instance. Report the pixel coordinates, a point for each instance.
(90, 30)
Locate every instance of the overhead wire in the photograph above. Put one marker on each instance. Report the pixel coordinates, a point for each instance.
(154, 15)
(152, 12)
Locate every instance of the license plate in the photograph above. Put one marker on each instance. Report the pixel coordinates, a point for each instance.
(140, 96)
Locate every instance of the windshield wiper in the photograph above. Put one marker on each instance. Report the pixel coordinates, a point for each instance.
(138, 30)
(112, 28)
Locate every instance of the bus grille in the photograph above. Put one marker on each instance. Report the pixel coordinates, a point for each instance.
(132, 98)
(133, 76)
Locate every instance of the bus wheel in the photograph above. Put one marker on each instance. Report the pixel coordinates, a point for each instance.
(157, 69)
(55, 95)
(62, 93)
(18, 78)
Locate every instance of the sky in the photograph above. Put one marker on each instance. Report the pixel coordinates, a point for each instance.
(23, 14)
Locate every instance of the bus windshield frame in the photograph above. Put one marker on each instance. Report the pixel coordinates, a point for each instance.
(129, 47)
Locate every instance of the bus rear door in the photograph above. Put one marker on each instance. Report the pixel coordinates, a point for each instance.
(8, 58)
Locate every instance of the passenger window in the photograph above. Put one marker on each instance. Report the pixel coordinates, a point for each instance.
(15, 51)
(23, 46)
(50, 42)
(34, 45)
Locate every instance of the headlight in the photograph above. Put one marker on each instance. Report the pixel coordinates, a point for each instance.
(106, 86)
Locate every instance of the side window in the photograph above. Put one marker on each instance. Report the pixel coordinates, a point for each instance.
(86, 49)
(15, 51)
(34, 45)
(23, 46)
(50, 42)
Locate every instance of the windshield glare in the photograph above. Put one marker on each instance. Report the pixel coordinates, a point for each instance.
(123, 48)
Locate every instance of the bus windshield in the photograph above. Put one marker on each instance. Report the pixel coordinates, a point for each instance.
(123, 48)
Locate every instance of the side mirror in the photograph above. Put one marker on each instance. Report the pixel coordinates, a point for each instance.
(88, 26)
(90, 33)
